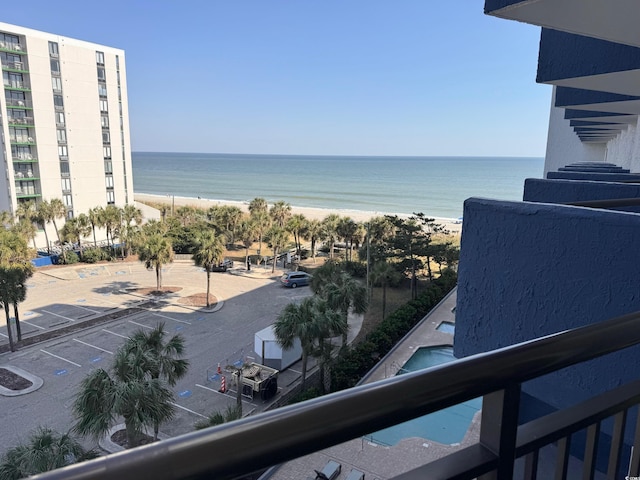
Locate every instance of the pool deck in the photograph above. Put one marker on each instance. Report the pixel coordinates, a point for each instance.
(376, 461)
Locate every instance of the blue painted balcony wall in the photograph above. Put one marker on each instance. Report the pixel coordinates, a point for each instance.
(530, 269)
(569, 191)
(565, 55)
(594, 169)
(595, 176)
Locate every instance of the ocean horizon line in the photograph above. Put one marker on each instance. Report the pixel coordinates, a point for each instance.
(363, 156)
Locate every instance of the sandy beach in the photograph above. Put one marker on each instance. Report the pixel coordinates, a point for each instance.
(309, 212)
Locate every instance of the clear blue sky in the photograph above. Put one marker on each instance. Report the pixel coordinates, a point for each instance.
(352, 77)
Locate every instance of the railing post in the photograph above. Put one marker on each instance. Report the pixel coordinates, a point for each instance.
(499, 429)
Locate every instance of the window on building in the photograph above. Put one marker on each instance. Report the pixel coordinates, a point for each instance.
(103, 106)
(69, 214)
(64, 169)
(102, 90)
(108, 167)
(100, 58)
(58, 102)
(61, 134)
(106, 138)
(111, 197)
(60, 118)
(108, 180)
(56, 83)
(104, 121)
(66, 198)
(106, 151)
(102, 75)
(66, 184)
(53, 49)
(55, 66)
(13, 80)
(117, 62)
(62, 151)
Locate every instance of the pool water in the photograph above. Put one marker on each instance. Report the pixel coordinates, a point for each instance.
(447, 327)
(448, 426)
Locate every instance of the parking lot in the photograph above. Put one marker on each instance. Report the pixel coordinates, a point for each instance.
(70, 295)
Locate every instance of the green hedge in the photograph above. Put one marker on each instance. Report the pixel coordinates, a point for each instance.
(354, 362)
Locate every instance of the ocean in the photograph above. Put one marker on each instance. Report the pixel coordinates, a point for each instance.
(436, 186)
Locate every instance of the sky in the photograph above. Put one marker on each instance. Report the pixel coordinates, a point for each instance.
(330, 77)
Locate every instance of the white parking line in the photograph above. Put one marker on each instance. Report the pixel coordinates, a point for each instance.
(114, 333)
(170, 318)
(187, 410)
(93, 346)
(32, 324)
(5, 336)
(87, 308)
(61, 358)
(61, 316)
(141, 325)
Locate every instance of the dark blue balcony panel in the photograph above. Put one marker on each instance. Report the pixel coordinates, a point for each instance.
(573, 114)
(593, 100)
(589, 123)
(531, 269)
(571, 191)
(613, 21)
(592, 130)
(595, 176)
(594, 169)
(588, 63)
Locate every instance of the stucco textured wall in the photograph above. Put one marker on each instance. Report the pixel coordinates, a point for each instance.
(529, 269)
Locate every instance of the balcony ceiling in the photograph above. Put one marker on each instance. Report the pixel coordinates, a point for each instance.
(612, 20)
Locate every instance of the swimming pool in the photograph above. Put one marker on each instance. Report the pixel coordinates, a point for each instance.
(447, 327)
(447, 426)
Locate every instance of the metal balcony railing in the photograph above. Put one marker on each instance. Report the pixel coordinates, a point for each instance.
(254, 443)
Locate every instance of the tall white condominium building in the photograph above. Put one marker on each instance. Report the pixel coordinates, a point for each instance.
(64, 122)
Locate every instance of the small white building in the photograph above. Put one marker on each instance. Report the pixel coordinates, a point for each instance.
(271, 354)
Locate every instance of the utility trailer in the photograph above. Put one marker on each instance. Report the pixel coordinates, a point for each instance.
(257, 380)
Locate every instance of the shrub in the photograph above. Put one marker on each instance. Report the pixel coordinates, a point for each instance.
(72, 257)
(92, 255)
(356, 269)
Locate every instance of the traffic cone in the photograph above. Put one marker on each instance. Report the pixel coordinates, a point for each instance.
(223, 385)
(219, 369)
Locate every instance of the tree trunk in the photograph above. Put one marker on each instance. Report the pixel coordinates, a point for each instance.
(305, 357)
(158, 277)
(275, 257)
(6, 312)
(95, 243)
(17, 317)
(64, 255)
(239, 393)
(46, 238)
(313, 249)
(208, 283)
(132, 434)
(246, 256)
(384, 298)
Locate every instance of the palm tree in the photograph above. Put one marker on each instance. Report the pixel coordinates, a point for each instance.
(127, 391)
(280, 212)
(57, 209)
(111, 220)
(26, 229)
(6, 219)
(296, 226)
(261, 220)
(43, 216)
(329, 323)
(154, 253)
(343, 293)
(75, 229)
(45, 450)
(207, 252)
(330, 230)
(26, 214)
(298, 321)
(164, 360)
(95, 217)
(278, 240)
(15, 269)
(347, 228)
(383, 273)
(313, 231)
(258, 205)
(247, 233)
(130, 213)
